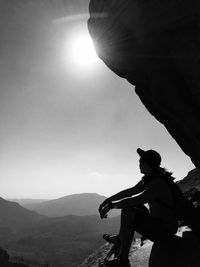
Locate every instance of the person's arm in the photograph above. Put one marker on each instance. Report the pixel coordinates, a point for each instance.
(141, 199)
(138, 188)
(106, 205)
(147, 196)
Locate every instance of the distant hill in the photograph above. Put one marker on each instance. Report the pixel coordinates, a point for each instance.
(77, 204)
(28, 203)
(15, 217)
(61, 241)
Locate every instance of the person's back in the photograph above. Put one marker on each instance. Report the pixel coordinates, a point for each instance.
(162, 194)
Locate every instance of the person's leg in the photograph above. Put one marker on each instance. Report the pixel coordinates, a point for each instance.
(126, 226)
(126, 234)
(138, 219)
(113, 239)
(152, 228)
(127, 229)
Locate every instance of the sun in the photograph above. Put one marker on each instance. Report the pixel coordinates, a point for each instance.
(82, 50)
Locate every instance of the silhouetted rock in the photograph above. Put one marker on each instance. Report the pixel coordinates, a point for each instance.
(183, 252)
(155, 46)
(191, 181)
(4, 257)
(4, 260)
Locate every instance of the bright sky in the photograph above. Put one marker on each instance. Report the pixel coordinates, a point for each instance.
(66, 125)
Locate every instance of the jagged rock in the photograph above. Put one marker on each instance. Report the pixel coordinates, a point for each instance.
(4, 260)
(139, 256)
(191, 181)
(96, 258)
(155, 46)
(4, 257)
(183, 252)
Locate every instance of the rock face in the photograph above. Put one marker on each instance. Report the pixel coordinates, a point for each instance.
(191, 181)
(139, 256)
(155, 46)
(183, 252)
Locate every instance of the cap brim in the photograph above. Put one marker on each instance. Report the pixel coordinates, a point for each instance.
(140, 151)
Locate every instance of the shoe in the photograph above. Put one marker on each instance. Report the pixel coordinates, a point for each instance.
(117, 262)
(114, 251)
(114, 239)
(142, 240)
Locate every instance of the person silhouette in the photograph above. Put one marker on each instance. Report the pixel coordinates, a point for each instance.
(157, 222)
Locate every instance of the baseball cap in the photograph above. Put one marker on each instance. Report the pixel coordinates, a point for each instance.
(150, 156)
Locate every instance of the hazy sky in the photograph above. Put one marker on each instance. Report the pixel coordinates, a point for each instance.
(65, 127)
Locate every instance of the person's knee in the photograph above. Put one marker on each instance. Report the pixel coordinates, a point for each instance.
(134, 212)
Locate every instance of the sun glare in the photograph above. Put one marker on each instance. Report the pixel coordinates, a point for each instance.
(82, 51)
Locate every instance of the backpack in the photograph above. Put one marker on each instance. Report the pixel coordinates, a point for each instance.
(183, 208)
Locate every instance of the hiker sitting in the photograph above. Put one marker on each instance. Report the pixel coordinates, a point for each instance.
(158, 223)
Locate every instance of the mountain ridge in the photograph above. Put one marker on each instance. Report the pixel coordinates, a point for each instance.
(15, 216)
(81, 204)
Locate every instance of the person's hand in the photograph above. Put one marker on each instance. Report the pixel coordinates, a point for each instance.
(105, 210)
(103, 204)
